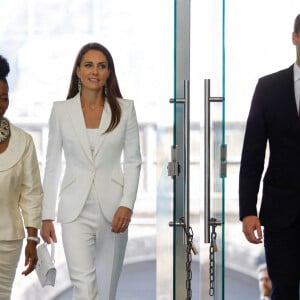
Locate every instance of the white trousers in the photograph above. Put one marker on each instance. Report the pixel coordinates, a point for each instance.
(93, 253)
(10, 252)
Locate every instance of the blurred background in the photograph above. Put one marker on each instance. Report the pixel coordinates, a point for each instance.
(40, 39)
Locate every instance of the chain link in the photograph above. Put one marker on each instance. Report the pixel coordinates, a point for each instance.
(212, 251)
(189, 248)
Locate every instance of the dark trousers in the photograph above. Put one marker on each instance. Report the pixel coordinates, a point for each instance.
(282, 247)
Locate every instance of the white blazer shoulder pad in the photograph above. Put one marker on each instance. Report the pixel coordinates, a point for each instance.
(62, 104)
(125, 102)
(126, 105)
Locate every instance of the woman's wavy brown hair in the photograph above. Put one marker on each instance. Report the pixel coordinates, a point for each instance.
(112, 87)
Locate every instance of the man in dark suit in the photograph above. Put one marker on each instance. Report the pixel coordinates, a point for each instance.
(274, 119)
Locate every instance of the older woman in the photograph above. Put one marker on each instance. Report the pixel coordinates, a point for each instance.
(20, 196)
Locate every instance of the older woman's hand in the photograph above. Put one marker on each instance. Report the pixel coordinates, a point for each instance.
(30, 257)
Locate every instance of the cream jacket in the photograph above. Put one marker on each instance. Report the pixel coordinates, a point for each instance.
(20, 186)
(116, 184)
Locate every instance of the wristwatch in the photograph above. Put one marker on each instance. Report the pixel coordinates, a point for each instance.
(33, 238)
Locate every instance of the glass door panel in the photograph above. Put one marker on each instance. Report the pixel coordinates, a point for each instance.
(250, 34)
(181, 146)
(207, 63)
(245, 63)
(217, 205)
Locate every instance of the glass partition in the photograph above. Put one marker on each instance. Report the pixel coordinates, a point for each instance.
(41, 41)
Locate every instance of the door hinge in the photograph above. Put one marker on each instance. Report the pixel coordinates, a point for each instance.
(173, 166)
(223, 160)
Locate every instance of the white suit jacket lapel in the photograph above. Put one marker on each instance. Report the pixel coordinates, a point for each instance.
(78, 122)
(104, 123)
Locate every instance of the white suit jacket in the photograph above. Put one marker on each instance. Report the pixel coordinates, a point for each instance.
(116, 185)
(20, 186)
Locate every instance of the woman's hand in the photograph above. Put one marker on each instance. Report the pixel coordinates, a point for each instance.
(121, 219)
(48, 231)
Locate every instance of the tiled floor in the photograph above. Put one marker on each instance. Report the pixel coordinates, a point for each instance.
(138, 278)
(137, 282)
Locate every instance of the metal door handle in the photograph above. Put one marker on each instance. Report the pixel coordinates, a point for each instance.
(207, 100)
(173, 168)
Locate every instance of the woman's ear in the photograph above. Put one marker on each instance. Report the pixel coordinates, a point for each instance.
(295, 39)
(78, 72)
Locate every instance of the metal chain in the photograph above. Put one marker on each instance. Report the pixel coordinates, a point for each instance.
(189, 249)
(212, 250)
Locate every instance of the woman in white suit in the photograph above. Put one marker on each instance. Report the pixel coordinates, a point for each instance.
(95, 127)
(20, 194)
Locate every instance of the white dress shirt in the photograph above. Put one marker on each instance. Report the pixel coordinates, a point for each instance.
(297, 84)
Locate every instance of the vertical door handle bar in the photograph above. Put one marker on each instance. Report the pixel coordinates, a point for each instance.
(186, 154)
(207, 100)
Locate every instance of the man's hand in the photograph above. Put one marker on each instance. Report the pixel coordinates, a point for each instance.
(252, 229)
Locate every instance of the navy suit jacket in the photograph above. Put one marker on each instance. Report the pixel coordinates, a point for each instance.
(273, 119)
